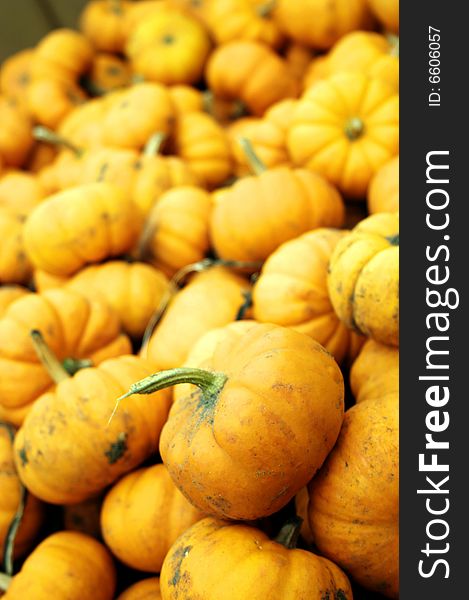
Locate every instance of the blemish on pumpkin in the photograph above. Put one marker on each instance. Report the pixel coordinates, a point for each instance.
(340, 595)
(23, 456)
(117, 449)
(179, 556)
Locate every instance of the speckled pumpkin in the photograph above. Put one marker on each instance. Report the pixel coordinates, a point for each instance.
(215, 560)
(375, 372)
(292, 291)
(143, 515)
(363, 279)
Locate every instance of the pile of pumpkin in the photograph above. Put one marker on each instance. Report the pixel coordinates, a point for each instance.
(198, 217)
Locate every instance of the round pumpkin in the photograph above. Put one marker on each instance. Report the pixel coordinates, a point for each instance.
(50, 101)
(92, 454)
(257, 402)
(375, 372)
(10, 293)
(147, 589)
(108, 72)
(66, 566)
(103, 22)
(32, 517)
(15, 134)
(354, 500)
(177, 230)
(74, 328)
(387, 12)
(251, 72)
(345, 127)
(169, 47)
(81, 225)
(83, 126)
(211, 299)
(292, 291)
(363, 279)
(143, 515)
(15, 75)
(215, 560)
(383, 191)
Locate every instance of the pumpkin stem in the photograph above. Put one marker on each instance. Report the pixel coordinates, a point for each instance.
(290, 532)
(208, 106)
(5, 581)
(393, 240)
(393, 41)
(245, 306)
(265, 10)
(72, 365)
(52, 364)
(209, 382)
(44, 134)
(254, 162)
(354, 128)
(153, 146)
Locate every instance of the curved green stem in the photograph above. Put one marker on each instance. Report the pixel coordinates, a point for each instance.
(153, 146)
(354, 128)
(73, 365)
(44, 134)
(393, 239)
(254, 162)
(290, 532)
(5, 581)
(209, 382)
(52, 364)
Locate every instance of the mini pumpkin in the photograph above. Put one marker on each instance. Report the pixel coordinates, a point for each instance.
(108, 72)
(354, 500)
(78, 226)
(387, 12)
(82, 568)
(74, 415)
(103, 22)
(50, 101)
(241, 553)
(10, 293)
(83, 126)
(345, 127)
(251, 72)
(15, 134)
(363, 278)
(383, 191)
(138, 531)
(15, 76)
(146, 589)
(260, 399)
(375, 372)
(292, 291)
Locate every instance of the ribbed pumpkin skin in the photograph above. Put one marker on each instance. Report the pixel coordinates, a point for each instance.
(354, 499)
(383, 193)
(66, 566)
(74, 416)
(375, 372)
(143, 515)
(147, 589)
(72, 326)
(292, 291)
(215, 560)
(284, 394)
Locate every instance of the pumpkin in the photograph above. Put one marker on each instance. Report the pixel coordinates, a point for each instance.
(15, 76)
(383, 191)
(50, 101)
(298, 58)
(66, 566)
(211, 299)
(363, 278)
(375, 372)
(186, 98)
(84, 516)
(74, 415)
(41, 156)
(107, 73)
(292, 291)
(387, 12)
(354, 500)
(103, 22)
(177, 230)
(136, 114)
(169, 47)
(143, 515)
(331, 20)
(11, 499)
(8, 294)
(83, 126)
(236, 556)
(345, 128)
(203, 144)
(146, 589)
(15, 134)
(242, 20)
(263, 397)
(74, 327)
(251, 72)
(256, 214)
(78, 226)
(195, 8)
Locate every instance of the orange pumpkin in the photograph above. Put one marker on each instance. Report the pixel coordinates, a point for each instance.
(345, 128)
(331, 20)
(15, 76)
(103, 22)
(74, 415)
(354, 500)
(146, 589)
(215, 560)
(107, 73)
(211, 299)
(169, 47)
(298, 58)
(186, 98)
(251, 72)
(260, 399)
(292, 291)
(83, 126)
(143, 515)
(74, 327)
(177, 230)
(383, 191)
(387, 12)
(50, 101)
(15, 134)
(375, 372)
(66, 566)
(256, 214)
(78, 226)
(8, 294)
